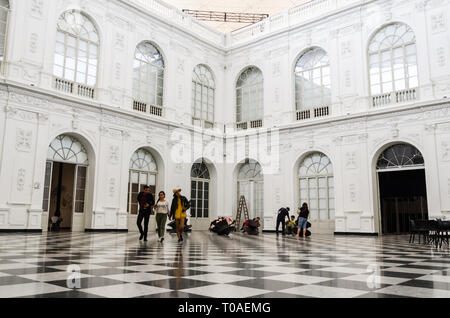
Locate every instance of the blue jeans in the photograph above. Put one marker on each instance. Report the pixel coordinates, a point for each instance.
(302, 223)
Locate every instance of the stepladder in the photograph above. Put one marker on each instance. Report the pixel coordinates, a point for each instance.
(241, 208)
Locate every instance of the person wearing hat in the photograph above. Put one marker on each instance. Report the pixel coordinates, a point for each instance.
(178, 211)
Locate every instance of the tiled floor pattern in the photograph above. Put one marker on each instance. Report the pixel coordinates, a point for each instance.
(206, 265)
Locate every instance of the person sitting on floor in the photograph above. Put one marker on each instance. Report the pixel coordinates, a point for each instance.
(291, 226)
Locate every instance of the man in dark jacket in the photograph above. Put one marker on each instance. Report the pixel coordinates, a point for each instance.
(146, 202)
(178, 211)
(283, 214)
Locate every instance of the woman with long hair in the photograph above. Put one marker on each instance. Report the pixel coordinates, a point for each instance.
(178, 211)
(303, 214)
(161, 210)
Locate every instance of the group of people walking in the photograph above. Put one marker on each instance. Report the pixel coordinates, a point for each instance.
(302, 221)
(180, 204)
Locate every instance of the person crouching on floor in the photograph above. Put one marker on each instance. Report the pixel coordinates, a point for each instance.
(291, 226)
(178, 211)
(252, 226)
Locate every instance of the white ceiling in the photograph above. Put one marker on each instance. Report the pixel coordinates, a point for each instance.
(271, 7)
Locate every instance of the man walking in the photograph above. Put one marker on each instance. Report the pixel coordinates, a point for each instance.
(283, 214)
(146, 202)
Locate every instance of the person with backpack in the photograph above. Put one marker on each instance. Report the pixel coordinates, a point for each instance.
(283, 213)
(180, 205)
(303, 214)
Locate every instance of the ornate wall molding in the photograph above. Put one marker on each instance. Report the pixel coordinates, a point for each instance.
(23, 139)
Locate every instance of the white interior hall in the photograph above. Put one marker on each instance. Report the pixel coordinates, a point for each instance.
(342, 104)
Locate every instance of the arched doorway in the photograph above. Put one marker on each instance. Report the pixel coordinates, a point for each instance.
(316, 188)
(251, 185)
(66, 186)
(142, 172)
(200, 196)
(402, 187)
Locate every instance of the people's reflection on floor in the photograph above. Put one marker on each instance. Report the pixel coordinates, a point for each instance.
(142, 248)
(178, 271)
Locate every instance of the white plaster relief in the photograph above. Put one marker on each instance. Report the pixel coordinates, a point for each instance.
(23, 140)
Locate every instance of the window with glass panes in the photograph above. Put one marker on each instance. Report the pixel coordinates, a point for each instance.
(4, 17)
(200, 182)
(316, 186)
(400, 156)
(203, 91)
(143, 172)
(393, 60)
(249, 95)
(76, 52)
(313, 80)
(148, 75)
(251, 186)
(47, 186)
(80, 189)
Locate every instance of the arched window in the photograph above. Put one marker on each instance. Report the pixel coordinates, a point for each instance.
(76, 54)
(249, 99)
(317, 186)
(313, 80)
(203, 92)
(148, 79)
(251, 186)
(4, 16)
(67, 151)
(400, 156)
(200, 180)
(393, 64)
(143, 172)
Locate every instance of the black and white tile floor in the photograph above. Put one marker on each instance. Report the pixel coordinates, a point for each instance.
(206, 265)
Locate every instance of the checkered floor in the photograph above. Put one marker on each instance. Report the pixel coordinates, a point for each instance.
(206, 265)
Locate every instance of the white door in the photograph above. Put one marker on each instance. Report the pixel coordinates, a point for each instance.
(79, 197)
(47, 193)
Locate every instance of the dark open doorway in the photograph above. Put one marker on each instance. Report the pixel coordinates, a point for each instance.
(62, 192)
(403, 196)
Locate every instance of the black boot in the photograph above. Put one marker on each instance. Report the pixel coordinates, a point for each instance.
(145, 237)
(141, 237)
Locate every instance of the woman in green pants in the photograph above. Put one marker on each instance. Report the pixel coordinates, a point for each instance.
(162, 209)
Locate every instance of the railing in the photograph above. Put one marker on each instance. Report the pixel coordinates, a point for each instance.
(85, 91)
(321, 111)
(256, 123)
(249, 124)
(242, 126)
(394, 97)
(70, 87)
(198, 122)
(309, 10)
(146, 108)
(304, 114)
(182, 19)
(406, 95)
(313, 113)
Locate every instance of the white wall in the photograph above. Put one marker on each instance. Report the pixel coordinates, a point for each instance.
(32, 116)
